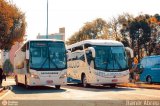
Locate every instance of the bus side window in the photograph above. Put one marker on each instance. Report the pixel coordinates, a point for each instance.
(81, 57)
(89, 56)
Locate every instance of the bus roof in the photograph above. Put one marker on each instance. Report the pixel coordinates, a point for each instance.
(96, 42)
(153, 56)
(44, 40)
(38, 40)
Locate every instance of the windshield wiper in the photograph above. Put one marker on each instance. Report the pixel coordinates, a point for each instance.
(54, 63)
(49, 63)
(48, 58)
(44, 62)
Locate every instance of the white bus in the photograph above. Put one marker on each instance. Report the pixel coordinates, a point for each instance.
(97, 62)
(41, 62)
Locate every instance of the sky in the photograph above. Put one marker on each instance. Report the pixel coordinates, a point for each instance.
(73, 14)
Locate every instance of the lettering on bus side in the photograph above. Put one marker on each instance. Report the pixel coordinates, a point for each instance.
(103, 74)
(49, 72)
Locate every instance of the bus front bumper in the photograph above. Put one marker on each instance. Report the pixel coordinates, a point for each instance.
(47, 82)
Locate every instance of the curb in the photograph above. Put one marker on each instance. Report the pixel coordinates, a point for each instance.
(9, 90)
(140, 86)
(1, 89)
(4, 88)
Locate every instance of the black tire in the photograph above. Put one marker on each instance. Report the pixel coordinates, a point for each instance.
(149, 79)
(26, 84)
(113, 86)
(84, 81)
(57, 86)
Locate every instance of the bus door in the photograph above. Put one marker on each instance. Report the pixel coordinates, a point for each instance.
(79, 64)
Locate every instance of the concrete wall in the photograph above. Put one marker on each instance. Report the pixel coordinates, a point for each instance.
(13, 50)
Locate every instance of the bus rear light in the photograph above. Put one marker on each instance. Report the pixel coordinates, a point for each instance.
(34, 76)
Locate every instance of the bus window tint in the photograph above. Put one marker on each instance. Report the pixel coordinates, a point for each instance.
(47, 55)
(36, 52)
(38, 56)
(151, 62)
(143, 63)
(89, 56)
(110, 58)
(57, 58)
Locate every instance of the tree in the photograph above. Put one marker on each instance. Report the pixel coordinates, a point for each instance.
(124, 20)
(154, 43)
(12, 25)
(91, 30)
(7, 67)
(140, 33)
(114, 26)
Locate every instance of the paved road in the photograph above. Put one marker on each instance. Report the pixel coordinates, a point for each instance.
(74, 92)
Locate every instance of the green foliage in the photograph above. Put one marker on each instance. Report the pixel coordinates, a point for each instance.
(12, 25)
(142, 31)
(7, 67)
(144, 35)
(91, 30)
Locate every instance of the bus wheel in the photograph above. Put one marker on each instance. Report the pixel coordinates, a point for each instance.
(149, 79)
(113, 86)
(16, 80)
(26, 85)
(57, 86)
(84, 81)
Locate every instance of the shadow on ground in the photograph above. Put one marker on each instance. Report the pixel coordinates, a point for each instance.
(35, 90)
(98, 88)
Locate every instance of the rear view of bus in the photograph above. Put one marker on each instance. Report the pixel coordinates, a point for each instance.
(41, 62)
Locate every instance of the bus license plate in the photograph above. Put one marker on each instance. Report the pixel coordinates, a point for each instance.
(114, 80)
(49, 81)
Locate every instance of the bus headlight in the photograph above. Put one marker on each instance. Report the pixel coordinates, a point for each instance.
(34, 76)
(63, 76)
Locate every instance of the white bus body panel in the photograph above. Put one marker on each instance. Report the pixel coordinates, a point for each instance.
(102, 77)
(44, 77)
(47, 78)
(97, 77)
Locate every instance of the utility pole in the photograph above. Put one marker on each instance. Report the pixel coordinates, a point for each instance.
(47, 22)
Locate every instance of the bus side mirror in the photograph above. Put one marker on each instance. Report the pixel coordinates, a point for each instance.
(27, 54)
(93, 51)
(68, 51)
(130, 51)
(140, 68)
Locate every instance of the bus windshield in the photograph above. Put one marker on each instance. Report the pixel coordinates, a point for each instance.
(47, 55)
(110, 58)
